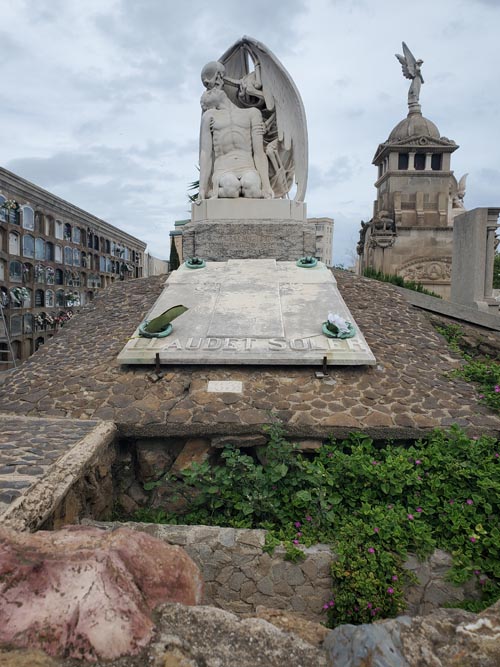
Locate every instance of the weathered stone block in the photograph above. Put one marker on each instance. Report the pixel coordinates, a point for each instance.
(153, 460)
(265, 586)
(218, 241)
(196, 450)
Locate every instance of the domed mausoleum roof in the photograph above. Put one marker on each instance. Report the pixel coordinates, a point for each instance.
(414, 125)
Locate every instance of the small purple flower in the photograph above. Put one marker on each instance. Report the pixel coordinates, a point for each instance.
(472, 538)
(418, 462)
(330, 454)
(394, 577)
(376, 530)
(373, 612)
(497, 455)
(371, 550)
(299, 534)
(469, 501)
(419, 509)
(477, 572)
(297, 524)
(419, 478)
(390, 590)
(410, 517)
(296, 541)
(325, 606)
(369, 605)
(497, 389)
(475, 437)
(332, 603)
(452, 502)
(374, 463)
(309, 518)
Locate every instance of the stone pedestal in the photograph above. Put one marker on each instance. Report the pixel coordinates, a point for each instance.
(223, 229)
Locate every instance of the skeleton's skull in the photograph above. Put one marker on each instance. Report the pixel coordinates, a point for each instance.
(212, 75)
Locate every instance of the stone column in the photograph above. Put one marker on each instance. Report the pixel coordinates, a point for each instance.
(428, 158)
(411, 162)
(491, 230)
(473, 255)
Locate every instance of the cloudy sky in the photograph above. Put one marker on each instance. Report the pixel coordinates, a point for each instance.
(100, 99)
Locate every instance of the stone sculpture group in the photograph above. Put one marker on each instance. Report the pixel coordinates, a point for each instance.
(253, 138)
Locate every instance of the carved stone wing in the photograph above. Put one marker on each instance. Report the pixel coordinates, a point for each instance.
(462, 184)
(282, 98)
(408, 62)
(404, 66)
(453, 186)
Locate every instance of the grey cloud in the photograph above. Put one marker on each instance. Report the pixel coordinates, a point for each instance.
(44, 13)
(339, 171)
(141, 27)
(342, 169)
(75, 166)
(489, 3)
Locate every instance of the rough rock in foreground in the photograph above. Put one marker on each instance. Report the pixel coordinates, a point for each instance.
(445, 638)
(85, 593)
(210, 637)
(207, 637)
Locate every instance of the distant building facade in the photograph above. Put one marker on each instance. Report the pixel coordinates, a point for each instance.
(54, 257)
(154, 266)
(324, 238)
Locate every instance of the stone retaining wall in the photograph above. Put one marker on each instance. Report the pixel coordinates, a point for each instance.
(239, 576)
(61, 471)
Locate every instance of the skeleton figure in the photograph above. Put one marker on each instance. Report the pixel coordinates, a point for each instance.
(232, 158)
(411, 70)
(268, 89)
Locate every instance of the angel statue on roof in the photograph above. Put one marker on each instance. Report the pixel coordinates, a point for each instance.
(253, 136)
(411, 70)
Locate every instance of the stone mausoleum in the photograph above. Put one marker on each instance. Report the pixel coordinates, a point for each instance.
(411, 231)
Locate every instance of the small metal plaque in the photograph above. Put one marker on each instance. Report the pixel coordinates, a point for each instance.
(225, 387)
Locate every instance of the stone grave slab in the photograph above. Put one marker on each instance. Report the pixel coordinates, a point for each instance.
(253, 311)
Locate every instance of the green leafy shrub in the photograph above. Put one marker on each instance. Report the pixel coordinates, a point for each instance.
(372, 504)
(483, 372)
(397, 280)
(496, 272)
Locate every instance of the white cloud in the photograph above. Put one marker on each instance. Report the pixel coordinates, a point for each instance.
(101, 99)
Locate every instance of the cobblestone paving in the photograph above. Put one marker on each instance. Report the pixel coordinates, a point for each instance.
(28, 447)
(409, 391)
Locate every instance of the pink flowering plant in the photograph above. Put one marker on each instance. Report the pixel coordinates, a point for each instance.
(443, 492)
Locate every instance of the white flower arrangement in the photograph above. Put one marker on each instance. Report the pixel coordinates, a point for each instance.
(337, 327)
(338, 322)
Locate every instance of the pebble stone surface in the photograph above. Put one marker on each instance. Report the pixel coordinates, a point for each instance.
(76, 375)
(29, 446)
